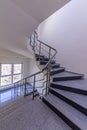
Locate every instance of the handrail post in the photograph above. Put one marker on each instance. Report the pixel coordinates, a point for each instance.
(39, 50)
(20, 87)
(34, 43)
(14, 89)
(49, 53)
(34, 86)
(47, 82)
(25, 88)
(48, 69)
(48, 77)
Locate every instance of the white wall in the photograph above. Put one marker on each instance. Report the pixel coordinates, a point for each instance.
(66, 30)
(33, 68)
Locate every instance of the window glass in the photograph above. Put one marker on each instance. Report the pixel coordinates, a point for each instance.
(17, 68)
(5, 80)
(6, 69)
(16, 78)
(10, 73)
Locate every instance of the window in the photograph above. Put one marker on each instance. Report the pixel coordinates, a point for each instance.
(6, 69)
(10, 73)
(5, 80)
(16, 78)
(17, 68)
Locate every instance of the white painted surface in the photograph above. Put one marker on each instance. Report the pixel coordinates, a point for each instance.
(66, 30)
(19, 18)
(40, 9)
(33, 68)
(10, 57)
(15, 26)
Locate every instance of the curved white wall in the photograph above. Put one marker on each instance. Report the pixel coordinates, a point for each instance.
(66, 30)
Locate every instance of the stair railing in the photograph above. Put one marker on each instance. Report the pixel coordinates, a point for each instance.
(21, 87)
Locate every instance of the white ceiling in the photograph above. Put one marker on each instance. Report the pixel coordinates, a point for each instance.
(40, 9)
(19, 18)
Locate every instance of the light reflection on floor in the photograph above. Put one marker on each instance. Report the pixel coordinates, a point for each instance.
(10, 94)
(6, 95)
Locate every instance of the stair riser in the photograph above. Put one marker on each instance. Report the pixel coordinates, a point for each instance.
(66, 78)
(74, 90)
(56, 66)
(37, 55)
(42, 59)
(57, 71)
(61, 115)
(72, 103)
(44, 63)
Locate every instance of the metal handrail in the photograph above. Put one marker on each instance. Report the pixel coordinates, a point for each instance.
(46, 45)
(42, 49)
(46, 67)
(43, 42)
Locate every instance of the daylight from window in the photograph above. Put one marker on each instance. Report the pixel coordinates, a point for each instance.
(10, 73)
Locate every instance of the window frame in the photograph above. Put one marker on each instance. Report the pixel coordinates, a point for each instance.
(12, 72)
(6, 74)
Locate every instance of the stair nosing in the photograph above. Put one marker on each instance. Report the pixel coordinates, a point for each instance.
(70, 101)
(70, 89)
(50, 100)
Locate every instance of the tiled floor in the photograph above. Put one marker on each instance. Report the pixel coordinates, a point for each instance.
(28, 114)
(6, 95)
(10, 94)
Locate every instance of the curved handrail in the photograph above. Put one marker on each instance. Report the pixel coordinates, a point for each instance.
(43, 42)
(39, 71)
(49, 61)
(46, 67)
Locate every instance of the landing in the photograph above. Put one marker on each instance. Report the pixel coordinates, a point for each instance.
(30, 115)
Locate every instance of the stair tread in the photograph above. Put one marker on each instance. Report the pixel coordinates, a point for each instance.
(77, 98)
(60, 68)
(71, 113)
(46, 61)
(55, 64)
(66, 74)
(77, 84)
(37, 55)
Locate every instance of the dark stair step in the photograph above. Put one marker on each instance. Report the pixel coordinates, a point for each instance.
(76, 100)
(57, 70)
(45, 62)
(66, 75)
(55, 65)
(76, 86)
(75, 119)
(42, 59)
(37, 55)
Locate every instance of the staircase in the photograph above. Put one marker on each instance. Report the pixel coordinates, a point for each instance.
(67, 93)
(62, 91)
